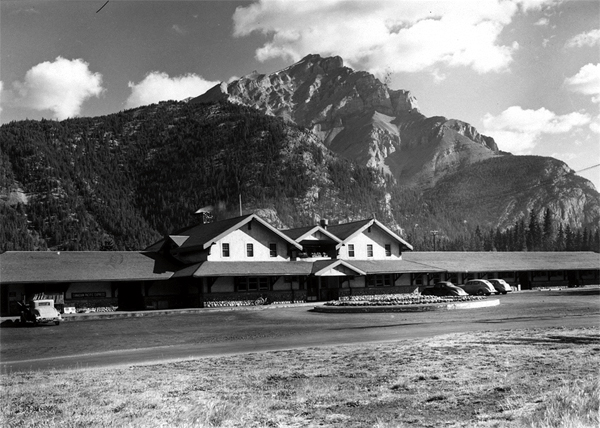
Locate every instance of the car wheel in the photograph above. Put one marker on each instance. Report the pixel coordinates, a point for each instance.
(480, 292)
(504, 292)
(56, 322)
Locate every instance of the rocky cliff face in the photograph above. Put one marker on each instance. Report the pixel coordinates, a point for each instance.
(359, 117)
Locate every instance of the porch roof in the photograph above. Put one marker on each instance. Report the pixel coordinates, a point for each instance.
(205, 269)
(505, 261)
(393, 266)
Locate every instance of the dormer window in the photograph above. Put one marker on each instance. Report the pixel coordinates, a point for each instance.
(225, 249)
(388, 250)
(250, 250)
(369, 250)
(350, 250)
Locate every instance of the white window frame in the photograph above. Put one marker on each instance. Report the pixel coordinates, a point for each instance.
(225, 249)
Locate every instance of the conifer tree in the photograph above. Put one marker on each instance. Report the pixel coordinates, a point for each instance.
(548, 231)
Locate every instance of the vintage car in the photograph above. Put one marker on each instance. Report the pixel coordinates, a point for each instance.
(443, 288)
(479, 287)
(40, 312)
(500, 285)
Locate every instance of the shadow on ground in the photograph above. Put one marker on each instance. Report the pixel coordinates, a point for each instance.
(578, 340)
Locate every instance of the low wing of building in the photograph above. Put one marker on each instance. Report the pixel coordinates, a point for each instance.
(242, 260)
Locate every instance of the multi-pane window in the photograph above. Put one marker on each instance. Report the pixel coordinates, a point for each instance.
(225, 249)
(388, 250)
(250, 250)
(252, 283)
(350, 250)
(273, 250)
(380, 281)
(369, 250)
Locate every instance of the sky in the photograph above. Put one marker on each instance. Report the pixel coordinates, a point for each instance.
(525, 72)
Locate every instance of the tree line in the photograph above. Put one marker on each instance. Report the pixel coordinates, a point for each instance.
(533, 232)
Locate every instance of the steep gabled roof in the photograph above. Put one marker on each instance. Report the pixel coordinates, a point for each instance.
(302, 233)
(347, 231)
(321, 267)
(202, 236)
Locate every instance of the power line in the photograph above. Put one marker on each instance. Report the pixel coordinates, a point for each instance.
(589, 167)
(102, 6)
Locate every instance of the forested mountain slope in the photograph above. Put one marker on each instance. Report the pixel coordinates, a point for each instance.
(123, 180)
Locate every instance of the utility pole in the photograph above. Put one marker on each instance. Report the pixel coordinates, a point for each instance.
(434, 233)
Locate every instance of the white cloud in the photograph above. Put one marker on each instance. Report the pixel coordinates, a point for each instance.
(518, 130)
(407, 36)
(586, 81)
(157, 86)
(61, 86)
(542, 22)
(591, 38)
(438, 76)
(595, 125)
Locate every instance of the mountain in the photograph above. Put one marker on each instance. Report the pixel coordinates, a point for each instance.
(315, 140)
(122, 181)
(359, 117)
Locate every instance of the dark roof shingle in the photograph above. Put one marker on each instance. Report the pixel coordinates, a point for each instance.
(76, 266)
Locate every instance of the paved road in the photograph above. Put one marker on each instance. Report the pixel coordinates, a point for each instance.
(102, 343)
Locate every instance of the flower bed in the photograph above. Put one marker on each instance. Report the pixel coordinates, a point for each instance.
(98, 309)
(399, 299)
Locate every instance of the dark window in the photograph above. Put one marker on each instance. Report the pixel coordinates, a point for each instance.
(350, 250)
(369, 250)
(380, 281)
(250, 250)
(273, 250)
(388, 250)
(252, 283)
(225, 249)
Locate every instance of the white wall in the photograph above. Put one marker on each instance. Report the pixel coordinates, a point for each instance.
(259, 236)
(378, 238)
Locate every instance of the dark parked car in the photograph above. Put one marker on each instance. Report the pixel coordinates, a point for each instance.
(501, 286)
(443, 288)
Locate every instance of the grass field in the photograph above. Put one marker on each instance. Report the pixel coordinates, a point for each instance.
(514, 378)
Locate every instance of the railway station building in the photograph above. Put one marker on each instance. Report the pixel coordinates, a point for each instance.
(245, 260)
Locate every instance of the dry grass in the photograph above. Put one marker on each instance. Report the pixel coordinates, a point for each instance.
(522, 378)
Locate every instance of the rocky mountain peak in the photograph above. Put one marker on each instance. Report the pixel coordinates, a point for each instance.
(359, 117)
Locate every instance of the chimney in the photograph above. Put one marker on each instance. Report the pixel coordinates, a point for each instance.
(205, 213)
(324, 223)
